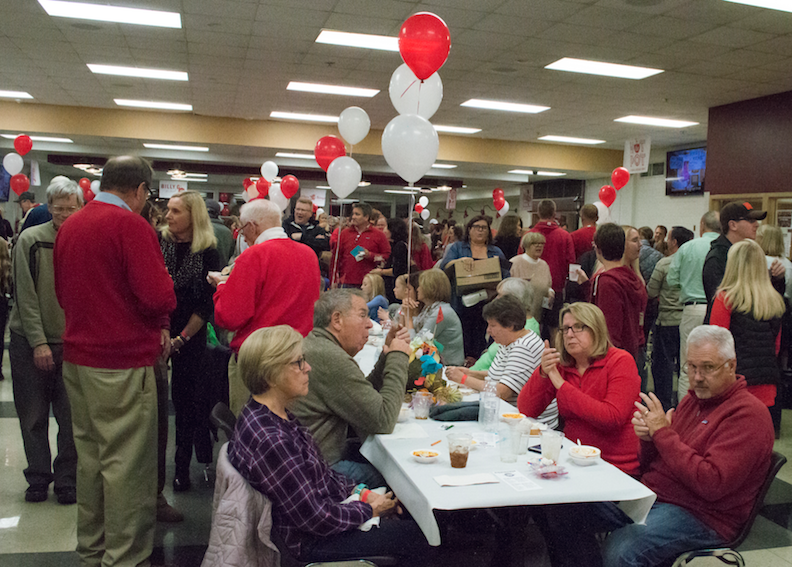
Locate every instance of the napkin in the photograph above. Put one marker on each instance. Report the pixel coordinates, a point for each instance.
(371, 522)
(467, 480)
(407, 431)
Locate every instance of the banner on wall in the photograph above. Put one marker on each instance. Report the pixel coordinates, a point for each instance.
(526, 197)
(317, 196)
(636, 154)
(451, 198)
(168, 189)
(35, 174)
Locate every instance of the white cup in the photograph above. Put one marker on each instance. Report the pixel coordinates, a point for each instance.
(551, 444)
(573, 275)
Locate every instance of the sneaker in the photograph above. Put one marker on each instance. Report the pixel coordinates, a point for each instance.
(168, 514)
(66, 496)
(36, 493)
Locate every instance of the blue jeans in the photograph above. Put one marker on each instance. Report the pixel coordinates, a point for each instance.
(669, 532)
(665, 359)
(360, 472)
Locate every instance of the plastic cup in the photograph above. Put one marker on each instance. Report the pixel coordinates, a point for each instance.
(459, 448)
(506, 444)
(422, 401)
(551, 444)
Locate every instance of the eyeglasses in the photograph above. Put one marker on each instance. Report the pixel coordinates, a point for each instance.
(59, 210)
(706, 370)
(149, 193)
(300, 362)
(576, 328)
(479, 227)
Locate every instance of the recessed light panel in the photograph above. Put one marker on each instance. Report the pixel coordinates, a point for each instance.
(652, 121)
(138, 72)
(505, 106)
(601, 68)
(330, 89)
(783, 5)
(153, 104)
(303, 117)
(550, 173)
(295, 156)
(118, 14)
(176, 147)
(521, 171)
(443, 166)
(456, 129)
(570, 140)
(40, 138)
(362, 40)
(14, 94)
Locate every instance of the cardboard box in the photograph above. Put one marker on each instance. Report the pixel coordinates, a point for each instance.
(486, 274)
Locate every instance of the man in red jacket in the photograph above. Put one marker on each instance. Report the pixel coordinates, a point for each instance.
(362, 248)
(117, 297)
(275, 281)
(559, 252)
(583, 238)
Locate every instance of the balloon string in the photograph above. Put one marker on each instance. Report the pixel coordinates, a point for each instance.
(409, 235)
(408, 88)
(338, 249)
(418, 104)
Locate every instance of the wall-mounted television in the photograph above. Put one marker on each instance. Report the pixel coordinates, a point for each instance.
(685, 171)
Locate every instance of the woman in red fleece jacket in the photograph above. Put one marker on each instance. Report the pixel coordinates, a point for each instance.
(595, 384)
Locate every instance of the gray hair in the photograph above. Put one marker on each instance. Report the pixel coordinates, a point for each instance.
(260, 210)
(713, 335)
(62, 186)
(519, 288)
(335, 300)
(711, 221)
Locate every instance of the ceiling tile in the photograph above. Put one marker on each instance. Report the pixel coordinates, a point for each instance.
(731, 37)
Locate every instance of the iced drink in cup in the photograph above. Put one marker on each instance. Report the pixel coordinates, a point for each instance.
(551, 444)
(422, 401)
(459, 448)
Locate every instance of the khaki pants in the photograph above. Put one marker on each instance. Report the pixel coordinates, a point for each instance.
(692, 317)
(238, 394)
(114, 417)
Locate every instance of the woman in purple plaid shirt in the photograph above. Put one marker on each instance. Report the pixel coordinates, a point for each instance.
(278, 457)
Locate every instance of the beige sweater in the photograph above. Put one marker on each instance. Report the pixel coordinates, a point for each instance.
(538, 273)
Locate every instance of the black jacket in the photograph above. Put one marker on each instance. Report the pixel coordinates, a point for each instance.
(755, 343)
(313, 235)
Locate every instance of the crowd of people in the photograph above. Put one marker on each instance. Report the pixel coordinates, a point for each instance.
(293, 301)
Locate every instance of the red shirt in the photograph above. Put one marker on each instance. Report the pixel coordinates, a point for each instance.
(559, 252)
(583, 239)
(351, 271)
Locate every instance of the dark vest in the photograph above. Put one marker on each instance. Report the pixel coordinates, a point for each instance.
(755, 343)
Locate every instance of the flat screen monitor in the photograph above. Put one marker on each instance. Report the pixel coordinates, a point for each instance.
(685, 171)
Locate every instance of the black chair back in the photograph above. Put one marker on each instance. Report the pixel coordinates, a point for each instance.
(223, 418)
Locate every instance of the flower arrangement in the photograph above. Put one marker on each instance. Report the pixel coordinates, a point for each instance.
(424, 372)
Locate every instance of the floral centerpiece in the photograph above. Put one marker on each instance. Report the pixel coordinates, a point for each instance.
(424, 372)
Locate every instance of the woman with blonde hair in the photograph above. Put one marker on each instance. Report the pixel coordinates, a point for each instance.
(771, 239)
(530, 267)
(747, 304)
(189, 248)
(374, 287)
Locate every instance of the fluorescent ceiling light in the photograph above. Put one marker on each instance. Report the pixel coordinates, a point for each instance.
(507, 106)
(601, 68)
(153, 104)
(364, 183)
(522, 172)
(400, 191)
(176, 147)
(330, 89)
(14, 94)
(550, 173)
(782, 5)
(190, 179)
(363, 40)
(295, 156)
(570, 140)
(442, 188)
(195, 175)
(137, 72)
(651, 121)
(303, 117)
(40, 138)
(456, 129)
(104, 13)
(323, 187)
(443, 166)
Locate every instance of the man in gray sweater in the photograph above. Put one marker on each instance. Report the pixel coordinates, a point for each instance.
(340, 396)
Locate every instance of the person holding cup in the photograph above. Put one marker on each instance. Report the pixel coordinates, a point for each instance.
(594, 383)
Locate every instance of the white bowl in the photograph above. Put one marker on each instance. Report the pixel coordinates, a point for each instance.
(584, 455)
(425, 456)
(512, 417)
(404, 414)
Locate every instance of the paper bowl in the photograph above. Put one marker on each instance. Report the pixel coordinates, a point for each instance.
(584, 455)
(425, 456)
(512, 417)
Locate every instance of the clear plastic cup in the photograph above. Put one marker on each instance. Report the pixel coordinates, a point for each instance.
(551, 444)
(459, 448)
(422, 401)
(506, 443)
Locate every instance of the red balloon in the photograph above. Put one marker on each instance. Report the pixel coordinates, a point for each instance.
(226, 211)
(247, 182)
(619, 178)
(418, 208)
(326, 150)
(424, 43)
(85, 184)
(498, 203)
(289, 186)
(20, 183)
(315, 208)
(263, 187)
(497, 192)
(23, 144)
(607, 195)
(88, 194)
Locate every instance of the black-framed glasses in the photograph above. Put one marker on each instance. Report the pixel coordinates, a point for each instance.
(479, 227)
(149, 191)
(300, 362)
(576, 328)
(706, 370)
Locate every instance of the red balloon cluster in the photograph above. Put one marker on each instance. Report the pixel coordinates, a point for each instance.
(289, 186)
(498, 198)
(23, 144)
(619, 178)
(85, 185)
(327, 149)
(315, 208)
(247, 182)
(424, 43)
(19, 183)
(263, 187)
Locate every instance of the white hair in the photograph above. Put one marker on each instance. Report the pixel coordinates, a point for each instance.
(62, 186)
(713, 335)
(260, 211)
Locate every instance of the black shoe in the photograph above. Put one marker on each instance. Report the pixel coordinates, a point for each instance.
(66, 496)
(181, 484)
(36, 493)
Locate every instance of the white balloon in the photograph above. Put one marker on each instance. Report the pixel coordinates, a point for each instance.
(277, 197)
(354, 124)
(319, 211)
(424, 201)
(95, 184)
(504, 209)
(13, 163)
(425, 214)
(245, 196)
(269, 170)
(344, 176)
(410, 145)
(604, 213)
(411, 96)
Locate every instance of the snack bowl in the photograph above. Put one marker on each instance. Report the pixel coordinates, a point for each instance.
(404, 414)
(584, 455)
(512, 418)
(425, 456)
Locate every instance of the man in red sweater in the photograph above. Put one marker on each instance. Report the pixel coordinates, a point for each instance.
(362, 248)
(117, 297)
(275, 281)
(583, 238)
(559, 252)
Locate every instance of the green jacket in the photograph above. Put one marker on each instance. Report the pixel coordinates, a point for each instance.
(340, 396)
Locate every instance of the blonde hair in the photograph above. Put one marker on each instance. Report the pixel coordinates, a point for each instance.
(5, 267)
(591, 316)
(746, 283)
(377, 285)
(435, 286)
(532, 238)
(636, 264)
(264, 355)
(203, 235)
(771, 239)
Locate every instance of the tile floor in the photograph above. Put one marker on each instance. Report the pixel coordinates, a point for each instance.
(43, 535)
